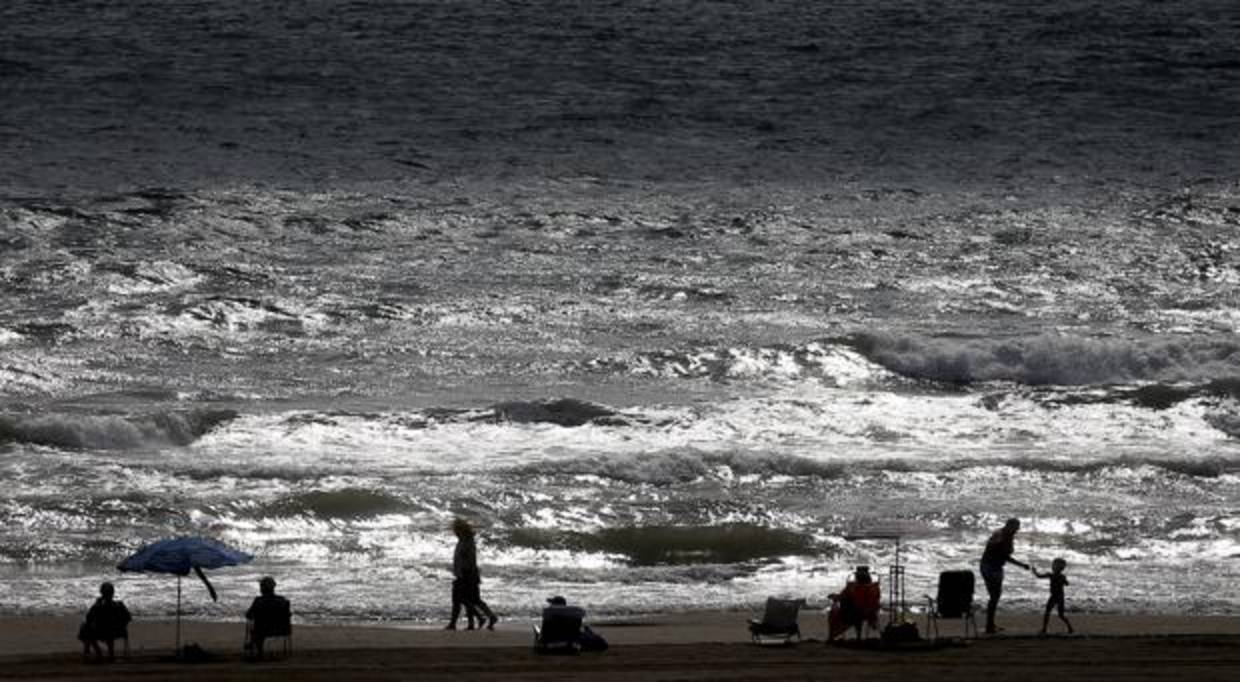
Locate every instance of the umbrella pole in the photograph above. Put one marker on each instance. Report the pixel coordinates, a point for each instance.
(178, 616)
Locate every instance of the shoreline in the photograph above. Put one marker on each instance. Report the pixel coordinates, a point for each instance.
(36, 635)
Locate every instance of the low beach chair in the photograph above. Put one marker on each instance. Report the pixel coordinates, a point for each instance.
(273, 621)
(954, 600)
(779, 621)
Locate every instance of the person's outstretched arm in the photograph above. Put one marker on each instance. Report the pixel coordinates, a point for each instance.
(1022, 564)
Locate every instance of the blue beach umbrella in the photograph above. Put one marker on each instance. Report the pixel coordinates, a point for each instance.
(179, 556)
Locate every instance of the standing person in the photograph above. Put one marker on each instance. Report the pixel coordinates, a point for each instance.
(467, 580)
(1058, 582)
(998, 552)
(106, 621)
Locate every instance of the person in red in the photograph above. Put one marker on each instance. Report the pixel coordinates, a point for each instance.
(998, 552)
(856, 605)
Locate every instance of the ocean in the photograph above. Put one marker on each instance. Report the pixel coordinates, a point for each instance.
(671, 298)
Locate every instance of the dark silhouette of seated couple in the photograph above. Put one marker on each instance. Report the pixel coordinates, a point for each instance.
(855, 606)
(108, 620)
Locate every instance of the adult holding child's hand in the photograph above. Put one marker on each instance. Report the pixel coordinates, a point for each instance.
(998, 553)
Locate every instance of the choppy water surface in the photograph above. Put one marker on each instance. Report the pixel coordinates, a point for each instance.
(668, 319)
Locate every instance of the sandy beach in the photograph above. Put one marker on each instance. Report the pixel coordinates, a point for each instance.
(694, 646)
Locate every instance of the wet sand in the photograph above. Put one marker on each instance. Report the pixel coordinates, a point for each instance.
(695, 646)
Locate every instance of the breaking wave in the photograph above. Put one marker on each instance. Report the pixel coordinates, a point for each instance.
(1052, 360)
(347, 503)
(671, 467)
(1226, 419)
(561, 411)
(111, 432)
(658, 545)
(823, 360)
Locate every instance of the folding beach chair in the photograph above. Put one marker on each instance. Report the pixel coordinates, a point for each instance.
(273, 621)
(779, 621)
(954, 600)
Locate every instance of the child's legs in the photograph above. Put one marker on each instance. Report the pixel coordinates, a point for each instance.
(1061, 616)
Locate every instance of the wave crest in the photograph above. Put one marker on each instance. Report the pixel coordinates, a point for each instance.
(561, 411)
(658, 545)
(346, 503)
(668, 468)
(1051, 360)
(112, 432)
(831, 362)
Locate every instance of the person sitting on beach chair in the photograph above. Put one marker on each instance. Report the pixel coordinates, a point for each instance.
(106, 621)
(779, 621)
(269, 616)
(562, 630)
(855, 606)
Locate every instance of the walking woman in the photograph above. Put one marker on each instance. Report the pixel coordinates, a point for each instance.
(467, 581)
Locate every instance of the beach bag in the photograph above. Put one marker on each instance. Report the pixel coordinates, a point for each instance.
(900, 633)
(591, 640)
(192, 653)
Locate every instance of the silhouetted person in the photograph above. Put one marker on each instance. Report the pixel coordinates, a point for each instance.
(855, 605)
(563, 629)
(106, 621)
(1058, 582)
(269, 615)
(998, 553)
(467, 580)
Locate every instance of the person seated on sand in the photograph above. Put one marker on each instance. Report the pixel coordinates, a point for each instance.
(562, 628)
(269, 615)
(106, 621)
(856, 605)
(1058, 582)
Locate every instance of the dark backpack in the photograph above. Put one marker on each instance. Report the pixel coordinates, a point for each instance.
(591, 640)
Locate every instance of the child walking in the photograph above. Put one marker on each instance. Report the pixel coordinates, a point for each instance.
(1058, 582)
